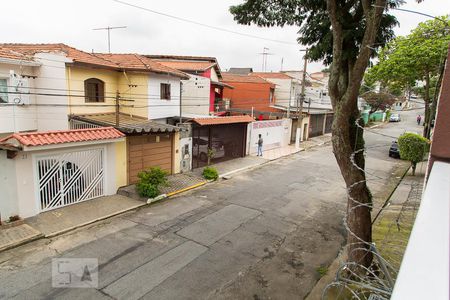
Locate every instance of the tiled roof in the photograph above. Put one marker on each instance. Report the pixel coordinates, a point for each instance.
(181, 57)
(11, 54)
(192, 59)
(187, 65)
(140, 62)
(63, 136)
(127, 123)
(131, 62)
(224, 120)
(273, 75)
(228, 77)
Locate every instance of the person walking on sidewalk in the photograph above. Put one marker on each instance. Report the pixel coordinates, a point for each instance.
(260, 145)
(419, 118)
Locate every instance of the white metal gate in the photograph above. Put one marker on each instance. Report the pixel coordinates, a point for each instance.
(68, 178)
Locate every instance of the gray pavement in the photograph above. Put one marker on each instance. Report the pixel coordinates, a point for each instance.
(261, 234)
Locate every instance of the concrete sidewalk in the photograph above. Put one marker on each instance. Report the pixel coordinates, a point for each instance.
(66, 218)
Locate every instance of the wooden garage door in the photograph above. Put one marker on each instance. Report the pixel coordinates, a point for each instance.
(146, 151)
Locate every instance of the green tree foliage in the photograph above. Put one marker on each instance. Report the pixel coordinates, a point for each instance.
(378, 101)
(358, 27)
(416, 57)
(413, 148)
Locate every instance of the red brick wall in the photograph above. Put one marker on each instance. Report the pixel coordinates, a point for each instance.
(247, 95)
(440, 147)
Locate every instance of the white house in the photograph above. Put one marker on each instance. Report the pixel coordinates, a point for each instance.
(202, 93)
(43, 170)
(42, 86)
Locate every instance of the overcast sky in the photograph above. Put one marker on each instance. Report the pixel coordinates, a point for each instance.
(71, 22)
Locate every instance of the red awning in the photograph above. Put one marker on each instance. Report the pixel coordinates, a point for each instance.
(223, 120)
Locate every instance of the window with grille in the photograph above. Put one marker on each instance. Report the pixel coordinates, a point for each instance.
(3, 91)
(165, 91)
(94, 90)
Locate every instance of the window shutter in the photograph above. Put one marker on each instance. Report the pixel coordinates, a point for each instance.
(101, 91)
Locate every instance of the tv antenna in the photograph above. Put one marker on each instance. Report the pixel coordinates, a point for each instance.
(109, 33)
(264, 58)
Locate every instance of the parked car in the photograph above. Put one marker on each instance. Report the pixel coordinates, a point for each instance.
(200, 148)
(394, 151)
(395, 118)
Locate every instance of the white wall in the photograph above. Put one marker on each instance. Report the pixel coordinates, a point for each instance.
(275, 134)
(195, 95)
(186, 157)
(214, 76)
(52, 74)
(110, 169)
(160, 108)
(14, 118)
(8, 195)
(285, 91)
(26, 189)
(18, 179)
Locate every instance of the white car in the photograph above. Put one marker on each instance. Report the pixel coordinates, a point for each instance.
(394, 118)
(200, 148)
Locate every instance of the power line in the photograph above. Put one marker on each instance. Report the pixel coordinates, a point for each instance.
(203, 24)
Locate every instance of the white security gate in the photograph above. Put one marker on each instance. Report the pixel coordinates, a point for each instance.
(70, 177)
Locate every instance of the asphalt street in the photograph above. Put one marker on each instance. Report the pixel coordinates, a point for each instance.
(261, 234)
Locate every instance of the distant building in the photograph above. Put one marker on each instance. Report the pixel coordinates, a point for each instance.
(240, 71)
(250, 94)
(203, 90)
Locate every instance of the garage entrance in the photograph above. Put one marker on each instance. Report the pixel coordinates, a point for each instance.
(316, 124)
(146, 151)
(69, 178)
(223, 137)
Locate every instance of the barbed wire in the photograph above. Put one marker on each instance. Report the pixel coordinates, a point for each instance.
(353, 279)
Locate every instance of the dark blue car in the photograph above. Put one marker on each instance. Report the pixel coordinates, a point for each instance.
(394, 151)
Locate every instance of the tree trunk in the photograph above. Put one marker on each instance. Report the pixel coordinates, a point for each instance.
(348, 143)
(344, 84)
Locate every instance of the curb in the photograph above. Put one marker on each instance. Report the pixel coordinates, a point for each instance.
(93, 221)
(22, 242)
(378, 125)
(187, 188)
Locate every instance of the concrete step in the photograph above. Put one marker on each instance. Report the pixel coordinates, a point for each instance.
(131, 192)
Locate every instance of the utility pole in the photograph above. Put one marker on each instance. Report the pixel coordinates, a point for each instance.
(117, 109)
(109, 33)
(302, 98)
(181, 92)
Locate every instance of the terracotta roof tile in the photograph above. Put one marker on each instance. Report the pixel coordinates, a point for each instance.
(223, 120)
(187, 65)
(228, 77)
(199, 63)
(11, 54)
(117, 61)
(42, 138)
(139, 62)
(272, 75)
